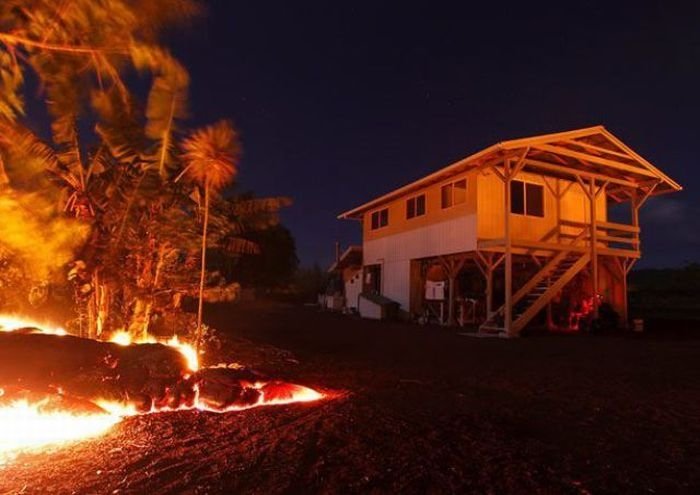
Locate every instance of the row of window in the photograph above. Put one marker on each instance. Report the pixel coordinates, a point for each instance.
(526, 199)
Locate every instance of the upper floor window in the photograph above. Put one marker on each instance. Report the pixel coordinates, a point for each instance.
(453, 193)
(415, 207)
(380, 218)
(526, 198)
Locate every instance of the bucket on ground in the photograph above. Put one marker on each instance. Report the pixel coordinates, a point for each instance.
(638, 325)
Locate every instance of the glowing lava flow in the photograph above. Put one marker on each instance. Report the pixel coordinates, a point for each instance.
(189, 352)
(28, 426)
(9, 323)
(32, 426)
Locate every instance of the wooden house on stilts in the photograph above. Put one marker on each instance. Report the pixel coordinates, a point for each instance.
(520, 232)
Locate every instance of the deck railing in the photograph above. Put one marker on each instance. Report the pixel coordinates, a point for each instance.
(609, 235)
(612, 239)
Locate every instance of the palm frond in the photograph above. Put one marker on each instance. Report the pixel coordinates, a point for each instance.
(28, 160)
(11, 103)
(252, 206)
(167, 100)
(118, 126)
(211, 155)
(240, 246)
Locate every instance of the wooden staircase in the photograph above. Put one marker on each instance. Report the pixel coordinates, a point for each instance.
(532, 297)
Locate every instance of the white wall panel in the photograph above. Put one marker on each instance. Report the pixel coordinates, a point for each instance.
(451, 236)
(395, 252)
(396, 282)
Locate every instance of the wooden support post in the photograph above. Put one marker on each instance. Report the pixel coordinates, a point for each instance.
(487, 270)
(452, 266)
(594, 245)
(489, 292)
(508, 309)
(628, 264)
(625, 303)
(634, 204)
(451, 300)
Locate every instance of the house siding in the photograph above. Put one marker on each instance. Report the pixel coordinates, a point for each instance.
(398, 223)
(457, 229)
(572, 207)
(395, 252)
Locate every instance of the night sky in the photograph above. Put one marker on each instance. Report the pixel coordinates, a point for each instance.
(339, 102)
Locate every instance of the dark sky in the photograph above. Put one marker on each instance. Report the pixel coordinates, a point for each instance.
(339, 102)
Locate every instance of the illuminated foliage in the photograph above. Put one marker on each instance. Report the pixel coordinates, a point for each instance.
(211, 156)
(102, 191)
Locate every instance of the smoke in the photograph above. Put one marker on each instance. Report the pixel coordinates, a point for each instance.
(33, 228)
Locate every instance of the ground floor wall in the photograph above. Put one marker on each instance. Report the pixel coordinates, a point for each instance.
(353, 288)
(396, 282)
(396, 252)
(404, 281)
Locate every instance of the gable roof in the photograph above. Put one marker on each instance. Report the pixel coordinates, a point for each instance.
(592, 151)
(352, 256)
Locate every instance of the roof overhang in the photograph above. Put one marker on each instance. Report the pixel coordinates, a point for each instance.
(593, 153)
(352, 256)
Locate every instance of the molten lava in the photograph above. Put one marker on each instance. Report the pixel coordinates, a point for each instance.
(28, 426)
(32, 421)
(123, 338)
(10, 323)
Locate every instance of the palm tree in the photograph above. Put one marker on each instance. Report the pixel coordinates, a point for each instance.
(211, 157)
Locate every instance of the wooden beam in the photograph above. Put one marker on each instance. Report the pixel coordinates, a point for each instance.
(508, 313)
(548, 138)
(584, 187)
(594, 245)
(452, 264)
(481, 266)
(619, 226)
(487, 243)
(612, 238)
(598, 148)
(534, 245)
(596, 159)
(625, 300)
(627, 253)
(646, 195)
(601, 188)
(498, 173)
(520, 163)
(572, 172)
(487, 271)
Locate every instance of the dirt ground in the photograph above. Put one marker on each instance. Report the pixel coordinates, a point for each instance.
(420, 410)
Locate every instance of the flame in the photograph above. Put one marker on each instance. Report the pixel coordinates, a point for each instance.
(279, 394)
(124, 338)
(189, 352)
(35, 227)
(121, 337)
(9, 323)
(28, 426)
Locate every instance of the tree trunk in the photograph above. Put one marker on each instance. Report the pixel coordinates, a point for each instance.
(203, 272)
(102, 305)
(140, 318)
